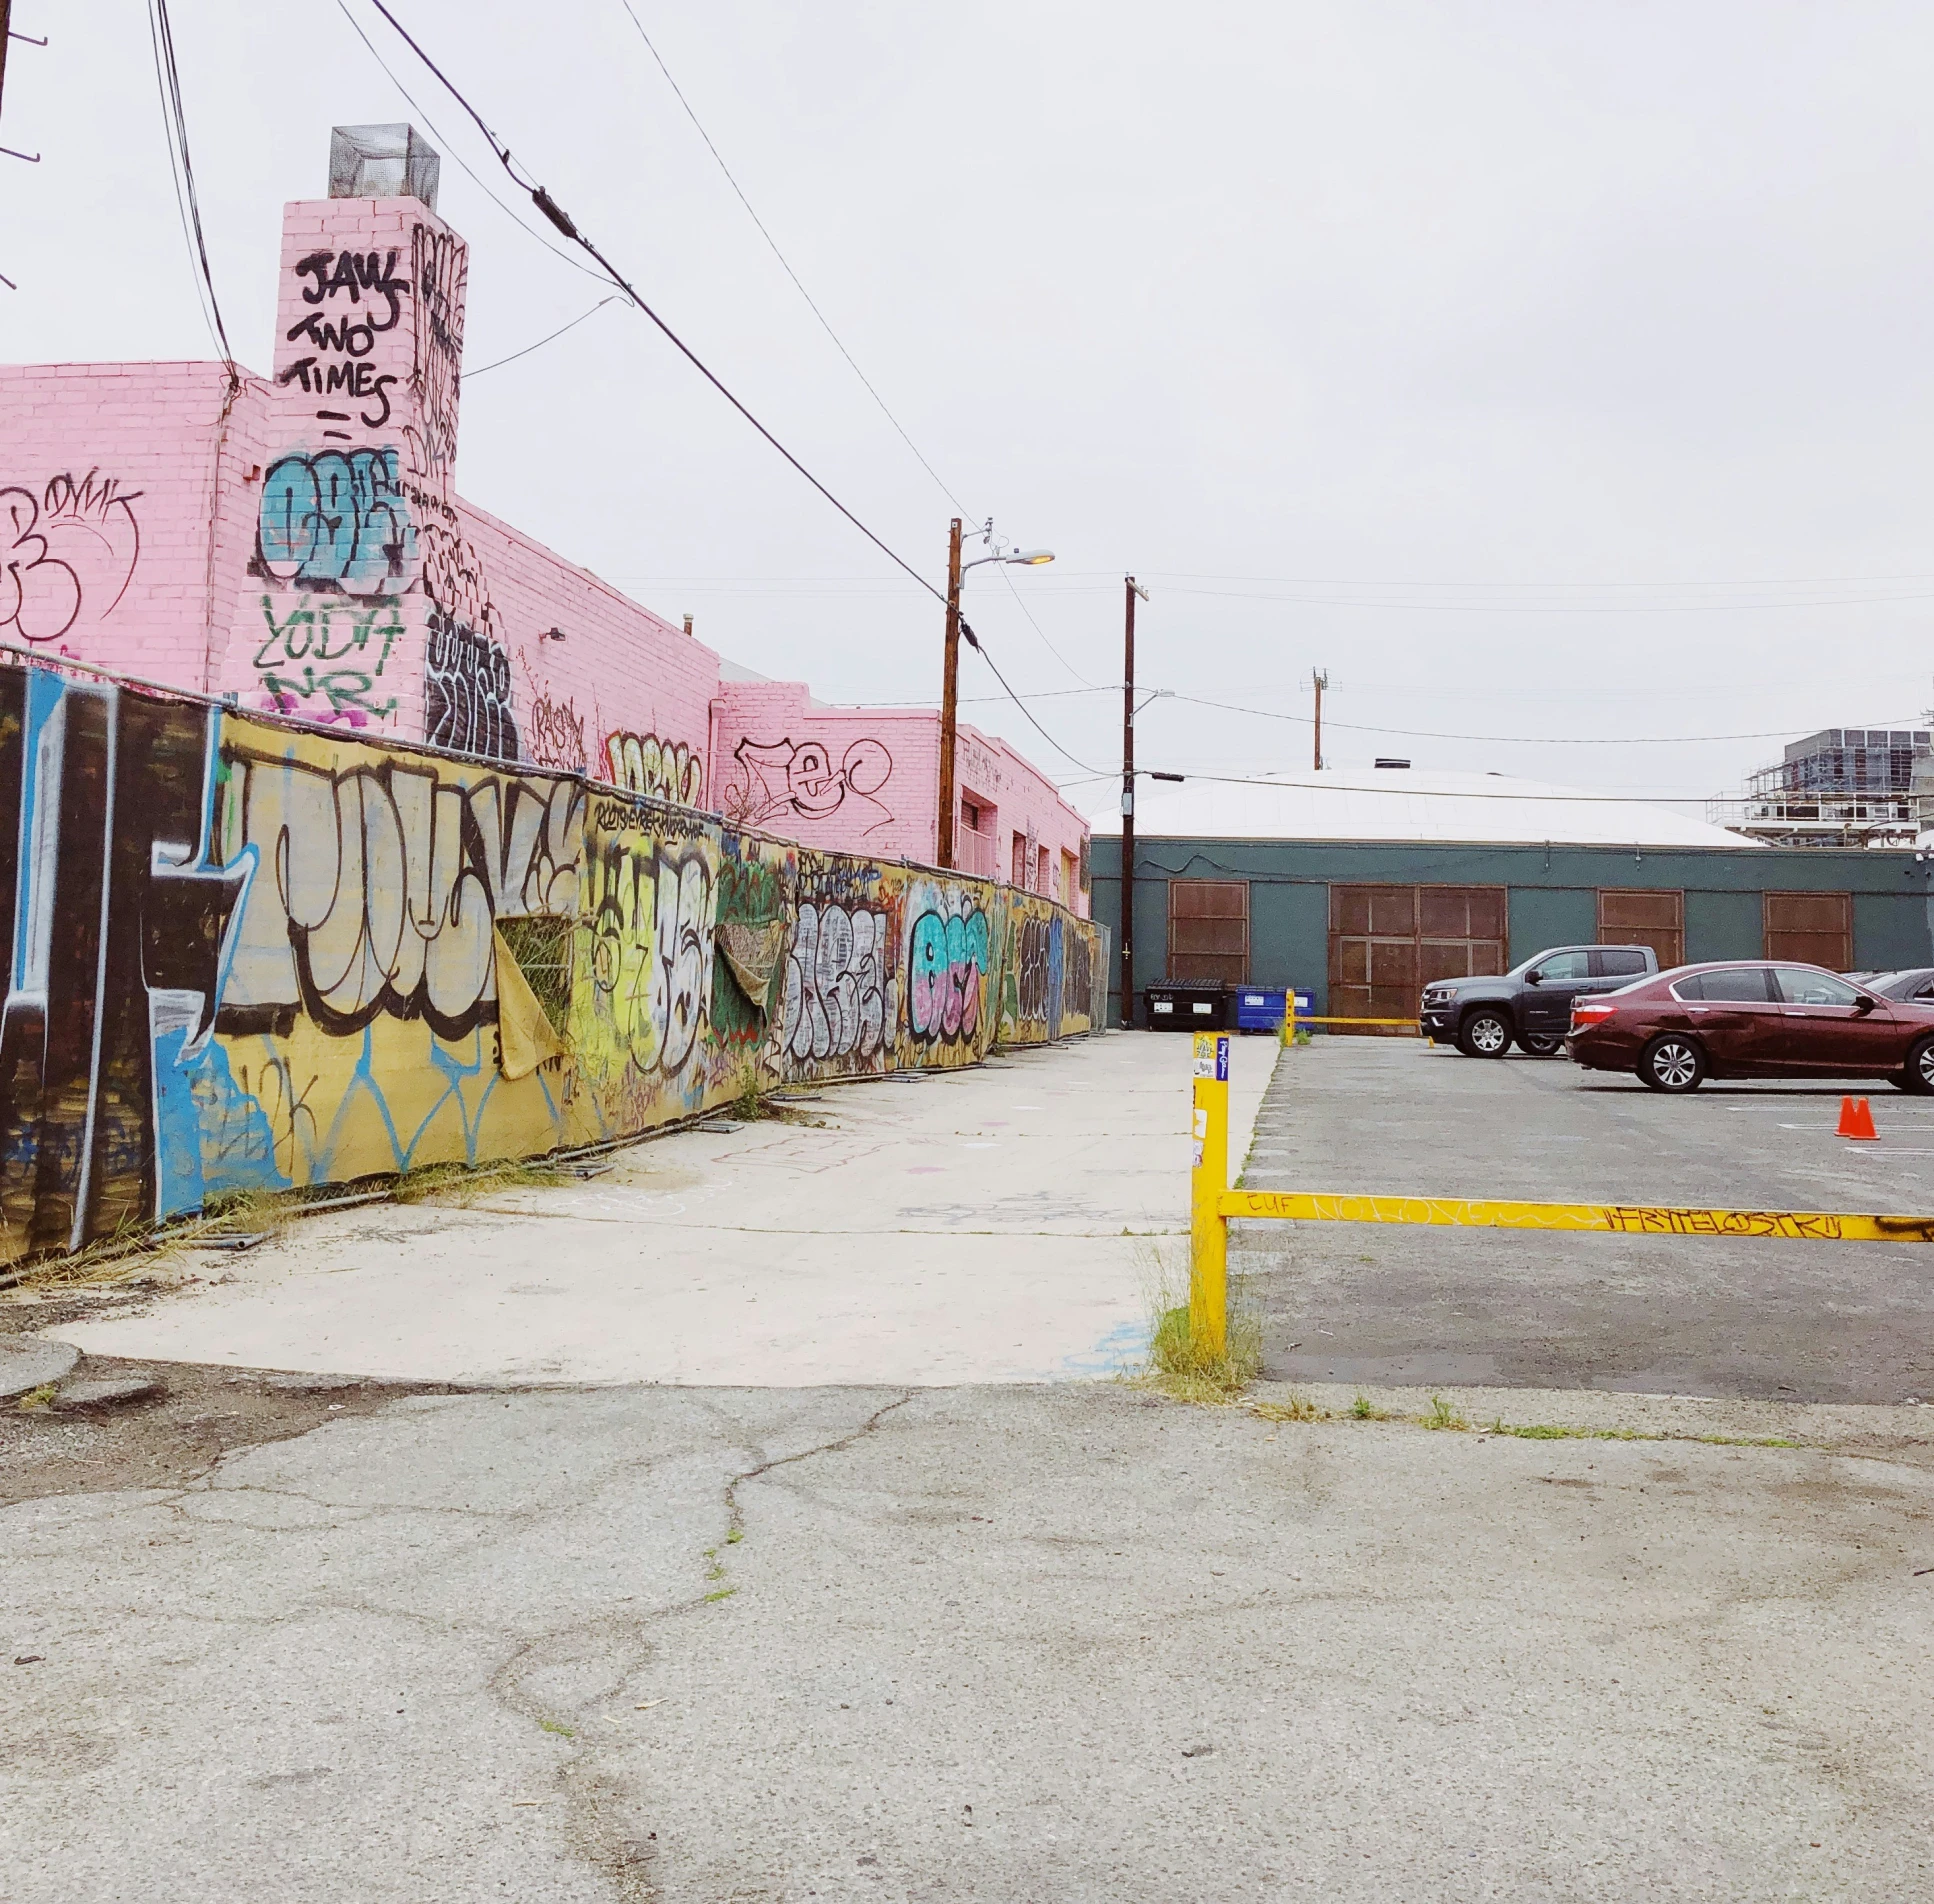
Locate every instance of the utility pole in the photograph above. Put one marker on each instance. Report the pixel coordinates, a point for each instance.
(1133, 589)
(1320, 677)
(949, 691)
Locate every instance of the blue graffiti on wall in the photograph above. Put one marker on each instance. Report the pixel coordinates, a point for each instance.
(335, 520)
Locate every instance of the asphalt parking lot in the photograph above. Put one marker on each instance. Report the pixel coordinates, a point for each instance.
(1746, 1319)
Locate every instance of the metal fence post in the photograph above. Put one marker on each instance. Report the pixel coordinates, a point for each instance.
(1208, 1227)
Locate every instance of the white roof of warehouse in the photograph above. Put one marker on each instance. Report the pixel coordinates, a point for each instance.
(1402, 804)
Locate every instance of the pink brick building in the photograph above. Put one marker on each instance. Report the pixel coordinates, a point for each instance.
(296, 542)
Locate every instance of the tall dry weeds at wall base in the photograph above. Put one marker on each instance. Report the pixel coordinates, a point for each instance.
(251, 956)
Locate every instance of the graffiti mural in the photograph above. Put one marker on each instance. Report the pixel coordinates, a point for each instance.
(334, 521)
(380, 883)
(323, 658)
(116, 921)
(656, 769)
(245, 955)
(798, 779)
(839, 984)
(466, 693)
(641, 1005)
(947, 965)
(67, 554)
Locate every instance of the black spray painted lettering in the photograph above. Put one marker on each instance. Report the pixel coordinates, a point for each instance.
(360, 274)
(358, 380)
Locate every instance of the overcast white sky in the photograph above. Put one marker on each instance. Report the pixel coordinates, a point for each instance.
(1522, 363)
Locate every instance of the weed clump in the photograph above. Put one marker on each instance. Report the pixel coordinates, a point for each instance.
(1443, 1415)
(1190, 1371)
(1364, 1409)
(1295, 1408)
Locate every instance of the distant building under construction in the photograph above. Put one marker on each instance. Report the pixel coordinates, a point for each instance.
(1844, 786)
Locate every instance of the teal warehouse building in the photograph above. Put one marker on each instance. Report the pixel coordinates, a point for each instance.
(1361, 888)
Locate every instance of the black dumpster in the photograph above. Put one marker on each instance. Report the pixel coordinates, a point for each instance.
(1185, 1007)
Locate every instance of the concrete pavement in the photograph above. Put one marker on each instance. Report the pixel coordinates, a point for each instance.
(996, 1224)
(1773, 1320)
(1065, 1642)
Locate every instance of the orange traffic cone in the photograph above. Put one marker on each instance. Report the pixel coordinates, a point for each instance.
(1857, 1120)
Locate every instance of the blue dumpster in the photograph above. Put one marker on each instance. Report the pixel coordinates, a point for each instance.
(1259, 1008)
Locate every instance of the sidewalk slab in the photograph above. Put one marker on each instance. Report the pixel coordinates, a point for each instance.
(1006, 1223)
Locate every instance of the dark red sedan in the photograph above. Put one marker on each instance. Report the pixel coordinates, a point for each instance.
(1753, 1019)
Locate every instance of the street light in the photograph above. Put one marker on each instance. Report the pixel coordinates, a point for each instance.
(949, 684)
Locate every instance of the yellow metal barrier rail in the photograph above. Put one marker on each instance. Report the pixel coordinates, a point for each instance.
(1213, 1203)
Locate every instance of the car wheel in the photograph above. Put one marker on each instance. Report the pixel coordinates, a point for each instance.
(1542, 1044)
(1919, 1075)
(1484, 1034)
(1672, 1064)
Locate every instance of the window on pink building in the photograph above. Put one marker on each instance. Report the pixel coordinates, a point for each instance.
(1018, 876)
(1041, 865)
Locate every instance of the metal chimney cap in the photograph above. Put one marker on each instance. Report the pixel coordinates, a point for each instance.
(382, 162)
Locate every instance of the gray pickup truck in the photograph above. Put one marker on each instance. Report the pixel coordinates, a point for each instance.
(1531, 1003)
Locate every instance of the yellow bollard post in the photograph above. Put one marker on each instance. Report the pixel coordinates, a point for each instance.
(1208, 1227)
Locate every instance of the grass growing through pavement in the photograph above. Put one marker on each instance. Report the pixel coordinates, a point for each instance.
(1180, 1366)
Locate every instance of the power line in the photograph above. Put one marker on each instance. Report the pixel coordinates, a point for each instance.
(557, 215)
(537, 237)
(174, 125)
(468, 375)
(1513, 740)
(1345, 581)
(973, 641)
(773, 244)
(825, 324)
(1544, 608)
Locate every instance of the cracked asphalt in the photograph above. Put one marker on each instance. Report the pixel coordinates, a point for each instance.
(1008, 1643)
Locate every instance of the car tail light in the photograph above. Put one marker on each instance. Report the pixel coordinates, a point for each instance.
(1590, 1014)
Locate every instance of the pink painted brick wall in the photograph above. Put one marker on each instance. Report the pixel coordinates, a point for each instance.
(106, 473)
(300, 545)
(852, 779)
(866, 780)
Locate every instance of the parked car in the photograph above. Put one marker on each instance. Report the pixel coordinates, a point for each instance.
(1753, 1019)
(1917, 983)
(1531, 1003)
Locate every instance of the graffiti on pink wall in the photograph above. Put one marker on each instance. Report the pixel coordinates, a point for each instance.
(323, 658)
(67, 554)
(657, 769)
(554, 734)
(784, 780)
(358, 297)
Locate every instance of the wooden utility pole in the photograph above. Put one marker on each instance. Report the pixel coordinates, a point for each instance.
(949, 691)
(1128, 804)
(1320, 677)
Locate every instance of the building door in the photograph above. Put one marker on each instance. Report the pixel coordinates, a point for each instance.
(1208, 930)
(1388, 942)
(1810, 928)
(1645, 917)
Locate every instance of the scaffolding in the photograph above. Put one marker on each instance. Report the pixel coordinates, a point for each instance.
(1844, 786)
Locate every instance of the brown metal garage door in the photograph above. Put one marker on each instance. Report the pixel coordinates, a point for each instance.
(1815, 928)
(1654, 918)
(1208, 930)
(1388, 942)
